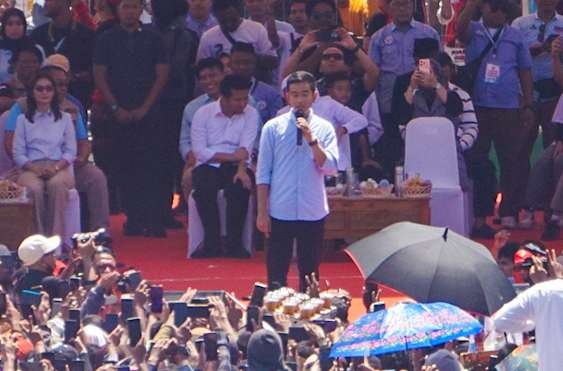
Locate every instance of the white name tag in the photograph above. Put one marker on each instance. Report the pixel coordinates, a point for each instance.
(492, 73)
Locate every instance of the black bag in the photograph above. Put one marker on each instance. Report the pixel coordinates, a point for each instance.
(467, 75)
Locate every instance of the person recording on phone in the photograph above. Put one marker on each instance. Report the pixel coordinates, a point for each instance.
(297, 149)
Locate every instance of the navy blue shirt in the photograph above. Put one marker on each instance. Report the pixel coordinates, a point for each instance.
(131, 59)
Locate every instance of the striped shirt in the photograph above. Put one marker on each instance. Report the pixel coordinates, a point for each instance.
(468, 130)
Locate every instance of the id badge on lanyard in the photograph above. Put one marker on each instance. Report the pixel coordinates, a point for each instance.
(492, 68)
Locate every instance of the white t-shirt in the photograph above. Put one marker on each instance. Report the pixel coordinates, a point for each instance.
(213, 42)
(541, 306)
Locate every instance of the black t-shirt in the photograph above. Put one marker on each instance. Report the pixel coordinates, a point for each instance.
(131, 59)
(76, 42)
(30, 278)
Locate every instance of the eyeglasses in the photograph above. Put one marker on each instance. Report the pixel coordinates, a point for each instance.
(44, 88)
(335, 56)
(541, 34)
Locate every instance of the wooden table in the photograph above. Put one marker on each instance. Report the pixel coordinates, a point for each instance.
(358, 217)
(16, 223)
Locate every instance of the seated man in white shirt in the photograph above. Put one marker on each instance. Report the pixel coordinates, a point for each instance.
(232, 28)
(223, 135)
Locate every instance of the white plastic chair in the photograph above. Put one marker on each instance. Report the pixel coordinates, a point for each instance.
(72, 211)
(430, 150)
(195, 227)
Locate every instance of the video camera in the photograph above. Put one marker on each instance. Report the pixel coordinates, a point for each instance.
(100, 237)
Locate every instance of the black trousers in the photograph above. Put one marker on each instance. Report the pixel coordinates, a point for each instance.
(207, 181)
(139, 151)
(309, 236)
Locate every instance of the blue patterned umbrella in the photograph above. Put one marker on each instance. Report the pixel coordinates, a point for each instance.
(403, 327)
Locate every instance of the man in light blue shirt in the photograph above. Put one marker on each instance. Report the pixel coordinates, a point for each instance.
(297, 149)
(539, 30)
(199, 18)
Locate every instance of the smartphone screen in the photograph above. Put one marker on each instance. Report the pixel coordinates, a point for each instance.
(180, 310)
(110, 323)
(298, 333)
(210, 341)
(134, 279)
(2, 303)
(424, 65)
(126, 308)
(75, 283)
(74, 314)
(258, 293)
(156, 294)
(134, 329)
(377, 306)
(197, 311)
(71, 329)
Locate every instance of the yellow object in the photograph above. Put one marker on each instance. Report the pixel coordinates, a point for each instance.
(355, 15)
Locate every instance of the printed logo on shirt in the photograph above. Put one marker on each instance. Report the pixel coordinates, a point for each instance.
(388, 40)
(260, 105)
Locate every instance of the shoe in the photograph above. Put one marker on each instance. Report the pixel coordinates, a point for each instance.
(526, 220)
(132, 230)
(156, 232)
(551, 232)
(203, 253)
(238, 254)
(508, 222)
(172, 223)
(484, 232)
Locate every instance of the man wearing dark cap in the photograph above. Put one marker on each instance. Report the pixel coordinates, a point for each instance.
(265, 352)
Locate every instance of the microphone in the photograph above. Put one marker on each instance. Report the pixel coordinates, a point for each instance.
(299, 113)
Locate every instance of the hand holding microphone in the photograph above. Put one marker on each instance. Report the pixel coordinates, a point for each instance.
(303, 126)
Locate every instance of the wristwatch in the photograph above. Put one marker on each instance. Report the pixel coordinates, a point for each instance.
(314, 142)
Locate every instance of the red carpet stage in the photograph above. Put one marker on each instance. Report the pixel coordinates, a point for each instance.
(164, 261)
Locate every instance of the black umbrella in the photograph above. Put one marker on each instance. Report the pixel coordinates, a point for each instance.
(432, 264)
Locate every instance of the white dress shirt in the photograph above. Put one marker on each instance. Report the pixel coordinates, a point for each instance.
(540, 305)
(339, 116)
(370, 109)
(213, 132)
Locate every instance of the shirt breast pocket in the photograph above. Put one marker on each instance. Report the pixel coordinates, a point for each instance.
(390, 52)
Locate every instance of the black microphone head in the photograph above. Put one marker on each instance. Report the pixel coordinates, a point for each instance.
(299, 113)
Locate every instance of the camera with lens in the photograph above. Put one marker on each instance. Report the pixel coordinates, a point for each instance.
(100, 237)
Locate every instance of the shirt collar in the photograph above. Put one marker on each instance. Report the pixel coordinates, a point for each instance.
(536, 17)
(43, 114)
(411, 24)
(217, 110)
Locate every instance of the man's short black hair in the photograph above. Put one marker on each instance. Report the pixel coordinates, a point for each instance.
(445, 60)
(293, 2)
(243, 47)
(503, 5)
(333, 78)
(220, 5)
(28, 48)
(301, 76)
(313, 3)
(234, 82)
(209, 63)
(508, 250)
(426, 47)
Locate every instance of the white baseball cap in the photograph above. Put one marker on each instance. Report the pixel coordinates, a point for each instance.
(33, 248)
